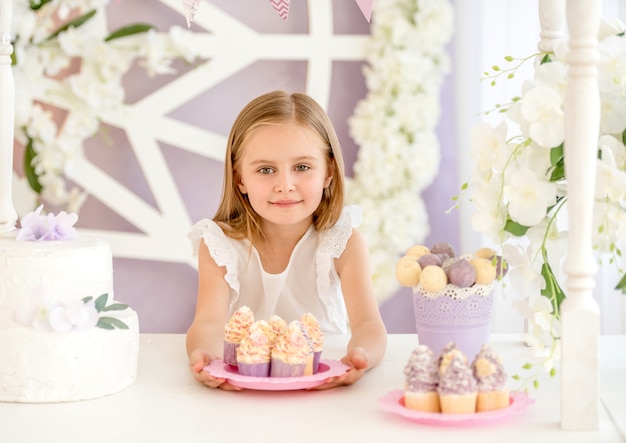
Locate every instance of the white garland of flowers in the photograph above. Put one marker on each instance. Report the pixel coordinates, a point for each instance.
(49, 83)
(394, 126)
(519, 187)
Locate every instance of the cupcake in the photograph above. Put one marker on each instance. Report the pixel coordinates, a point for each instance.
(491, 380)
(290, 352)
(254, 351)
(308, 368)
(420, 387)
(447, 351)
(457, 386)
(236, 328)
(278, 326)
(314, 332)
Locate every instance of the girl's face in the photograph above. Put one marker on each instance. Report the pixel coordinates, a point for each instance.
(284, 171)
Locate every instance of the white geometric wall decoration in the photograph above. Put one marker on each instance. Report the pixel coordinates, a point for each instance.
(162, 169)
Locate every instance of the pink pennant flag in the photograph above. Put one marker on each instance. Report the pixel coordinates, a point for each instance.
(366, 8)
(282, 7)
(190, 7)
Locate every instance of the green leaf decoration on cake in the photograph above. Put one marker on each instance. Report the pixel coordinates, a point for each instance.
(101, 306)
(111, 323)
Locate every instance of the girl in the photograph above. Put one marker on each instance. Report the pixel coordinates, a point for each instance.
(281, 241)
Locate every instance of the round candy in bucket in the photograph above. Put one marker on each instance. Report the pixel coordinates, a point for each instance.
(452, 296)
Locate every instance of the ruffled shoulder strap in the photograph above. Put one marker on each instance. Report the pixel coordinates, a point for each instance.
(219, 246)
(332, 243)
(335, 239)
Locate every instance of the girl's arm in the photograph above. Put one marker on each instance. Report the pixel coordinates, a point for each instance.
(205, 336)
(368, 340)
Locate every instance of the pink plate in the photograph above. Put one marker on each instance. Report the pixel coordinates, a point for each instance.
(327, 368)
(394, 402)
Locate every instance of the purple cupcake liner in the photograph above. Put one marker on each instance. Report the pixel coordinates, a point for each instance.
(316, 361)
(254, 369)
(282, 369)
(230, 353)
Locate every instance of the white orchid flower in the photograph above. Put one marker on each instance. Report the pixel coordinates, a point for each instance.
(528, 197)
(542, 109)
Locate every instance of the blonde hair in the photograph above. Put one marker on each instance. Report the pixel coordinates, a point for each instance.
(235, 214)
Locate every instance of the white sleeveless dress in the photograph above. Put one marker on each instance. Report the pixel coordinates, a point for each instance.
(309, 283)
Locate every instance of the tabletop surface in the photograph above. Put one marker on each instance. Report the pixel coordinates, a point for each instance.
(165, 404)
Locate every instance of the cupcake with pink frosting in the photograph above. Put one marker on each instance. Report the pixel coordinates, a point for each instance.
(314, 331)
(254, 351)
(290, 352)
(234, 331)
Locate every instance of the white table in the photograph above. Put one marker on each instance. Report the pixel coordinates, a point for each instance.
(166, 405)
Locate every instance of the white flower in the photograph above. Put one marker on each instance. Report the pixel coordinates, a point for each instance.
(490, 216)
(541, 107)
(612, 65)
(610, 26)
(79, 72)
(77, 315)
(613, 114)
(523, 273)
(395, 126)
(528, 197)
(542, 324)
(488, 147)
(35, 310)
(552, 75)
(521, 190)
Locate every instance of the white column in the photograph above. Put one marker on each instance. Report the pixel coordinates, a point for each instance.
(580, 319)
(8, 215)
(552, 19)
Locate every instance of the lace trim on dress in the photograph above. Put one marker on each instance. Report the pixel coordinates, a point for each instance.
(332, 244)
(219, 247)
(335, 239)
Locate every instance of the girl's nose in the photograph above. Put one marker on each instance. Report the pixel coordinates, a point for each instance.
(284, 182)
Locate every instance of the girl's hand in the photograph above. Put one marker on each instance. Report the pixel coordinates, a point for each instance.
(358, 362)
(197, 361)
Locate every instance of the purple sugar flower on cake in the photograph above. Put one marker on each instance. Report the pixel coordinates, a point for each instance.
(37, 227)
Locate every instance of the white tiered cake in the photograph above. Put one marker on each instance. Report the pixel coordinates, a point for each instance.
(78, 360)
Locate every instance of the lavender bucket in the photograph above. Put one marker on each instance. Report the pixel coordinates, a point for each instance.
(461, 315)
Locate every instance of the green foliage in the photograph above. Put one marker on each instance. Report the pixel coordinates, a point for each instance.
(37, 4)
(621, 285)
(29, 169)
(125, 31)
(515, 228)
(552, 290)
(508, 72)
(78, 21)
(557, 160)
(111, 323)
(101, 306)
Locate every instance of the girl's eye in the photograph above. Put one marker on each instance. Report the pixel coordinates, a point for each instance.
(302, 168)
(266, 170)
